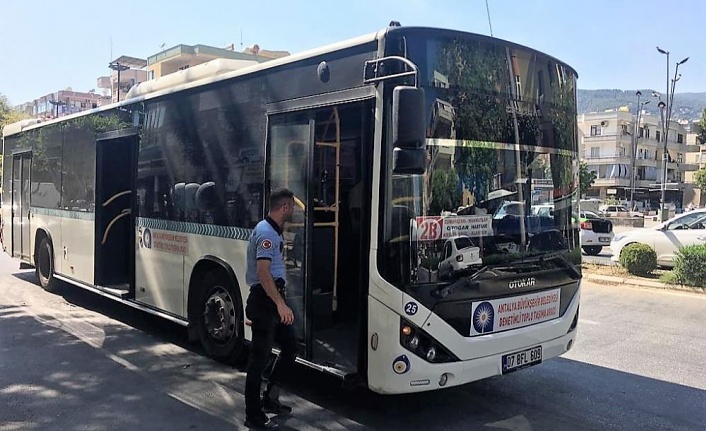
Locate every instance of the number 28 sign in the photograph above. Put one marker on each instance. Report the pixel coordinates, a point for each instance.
(434, 228)
(430, 228)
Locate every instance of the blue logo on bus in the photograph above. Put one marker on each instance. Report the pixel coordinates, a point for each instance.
(484, 318)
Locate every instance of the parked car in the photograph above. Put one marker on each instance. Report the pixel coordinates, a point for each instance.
(618, 211)
(596, 232)
(460, 254)
(666, 238)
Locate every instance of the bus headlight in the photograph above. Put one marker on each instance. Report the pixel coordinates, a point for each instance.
(423, 345)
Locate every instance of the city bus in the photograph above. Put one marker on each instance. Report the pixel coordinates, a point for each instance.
(414, 258)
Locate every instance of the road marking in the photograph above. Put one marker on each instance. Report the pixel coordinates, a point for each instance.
(517, 423)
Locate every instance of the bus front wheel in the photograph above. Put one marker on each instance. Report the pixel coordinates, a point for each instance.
(220, 317)
(44, 265)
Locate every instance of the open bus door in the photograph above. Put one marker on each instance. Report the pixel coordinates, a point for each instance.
(116, 154)
(324, 250)
(21, 165)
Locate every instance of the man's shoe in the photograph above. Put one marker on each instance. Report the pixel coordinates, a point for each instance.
(261, 424)
(276, 407)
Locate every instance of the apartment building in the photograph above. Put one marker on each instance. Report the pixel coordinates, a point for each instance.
(62, 102)
(609, 142)
(126, 72)
(182, 57)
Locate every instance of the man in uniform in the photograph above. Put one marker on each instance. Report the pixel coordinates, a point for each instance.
(270, 315)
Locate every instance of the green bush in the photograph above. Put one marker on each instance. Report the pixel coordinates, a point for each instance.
(690, 266)
(638, 259)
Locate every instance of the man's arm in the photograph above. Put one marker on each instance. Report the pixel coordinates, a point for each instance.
(265, 278)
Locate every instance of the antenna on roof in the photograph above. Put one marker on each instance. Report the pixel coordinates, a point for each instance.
(490, 24)
(241, 39)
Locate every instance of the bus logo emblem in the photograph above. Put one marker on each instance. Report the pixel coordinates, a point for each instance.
(484, 318)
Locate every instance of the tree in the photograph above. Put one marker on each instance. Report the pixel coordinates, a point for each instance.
(8, 115)
(702, 123)
(700, 179)
(586, 178)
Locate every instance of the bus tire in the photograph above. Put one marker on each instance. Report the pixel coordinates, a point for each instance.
(44, 265)
(219, 317)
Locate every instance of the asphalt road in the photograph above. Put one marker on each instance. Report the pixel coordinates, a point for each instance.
(602, 259)
(76, 361)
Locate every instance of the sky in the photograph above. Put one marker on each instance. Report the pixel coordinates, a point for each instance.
(48, 46)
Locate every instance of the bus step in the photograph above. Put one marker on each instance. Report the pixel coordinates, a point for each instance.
(122, 291)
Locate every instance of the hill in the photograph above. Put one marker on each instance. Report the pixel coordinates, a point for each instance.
(687, 106)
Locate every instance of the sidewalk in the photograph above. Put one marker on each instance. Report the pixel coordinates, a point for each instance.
(637, 282)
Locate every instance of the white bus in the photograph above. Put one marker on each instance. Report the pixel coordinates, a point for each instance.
(395, 144)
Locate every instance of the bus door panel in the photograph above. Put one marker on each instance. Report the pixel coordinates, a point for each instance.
(317, 154)
(21, 164)
(288, 162)
(115, 186)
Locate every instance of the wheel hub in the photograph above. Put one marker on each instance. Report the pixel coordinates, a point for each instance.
(219, 316)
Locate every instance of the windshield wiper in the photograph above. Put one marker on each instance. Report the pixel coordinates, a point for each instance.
(468, 281)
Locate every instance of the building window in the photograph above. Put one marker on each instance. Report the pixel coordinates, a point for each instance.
(621, 151)
(647, 133)
(518, 87)
(624, 128)
(657, 136)
(595, 130)
(680, 158)
(642, 132)
(680, 138)
(595, 152)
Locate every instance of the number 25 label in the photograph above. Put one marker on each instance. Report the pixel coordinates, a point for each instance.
(411, 308)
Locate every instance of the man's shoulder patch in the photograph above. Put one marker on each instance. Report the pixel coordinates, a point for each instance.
(266, 244)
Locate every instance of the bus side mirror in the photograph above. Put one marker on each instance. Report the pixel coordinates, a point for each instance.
(408, 122)
(408, 131)
(409, 161)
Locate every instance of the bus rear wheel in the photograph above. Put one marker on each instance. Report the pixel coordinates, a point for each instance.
(44, 265)
(219, 317)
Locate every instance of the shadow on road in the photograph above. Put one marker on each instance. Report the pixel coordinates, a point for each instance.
(80, 390)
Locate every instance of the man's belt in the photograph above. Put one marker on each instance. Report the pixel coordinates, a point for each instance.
(280, 284)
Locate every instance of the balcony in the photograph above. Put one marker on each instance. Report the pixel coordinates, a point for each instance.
(607, 159)
(646, 162)
(612, 182)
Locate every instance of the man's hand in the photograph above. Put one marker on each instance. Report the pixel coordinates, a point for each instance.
(285, 314)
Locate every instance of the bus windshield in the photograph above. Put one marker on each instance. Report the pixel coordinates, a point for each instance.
(501, 178)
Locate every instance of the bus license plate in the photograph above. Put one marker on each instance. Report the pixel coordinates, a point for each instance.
(525, 358)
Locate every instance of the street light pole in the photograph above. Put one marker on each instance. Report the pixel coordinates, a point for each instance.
(665, 131)
(119, 67)
(635, 137)
(634, 150)
(666, 122)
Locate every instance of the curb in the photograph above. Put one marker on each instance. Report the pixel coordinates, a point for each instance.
(608, 279)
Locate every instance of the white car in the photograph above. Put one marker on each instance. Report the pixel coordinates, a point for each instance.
(618, 211)
(459, 254)
(666, 238)
(596, 232)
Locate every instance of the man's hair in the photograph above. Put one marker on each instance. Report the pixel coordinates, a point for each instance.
(280, 197)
